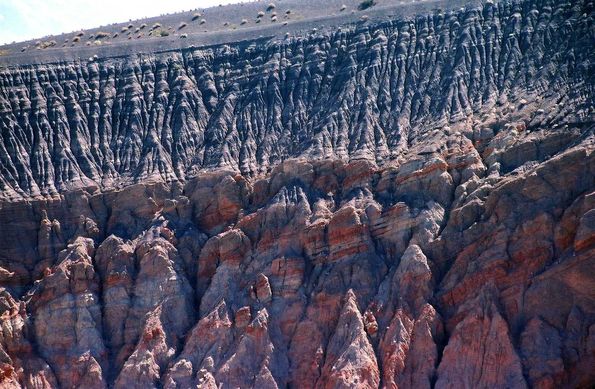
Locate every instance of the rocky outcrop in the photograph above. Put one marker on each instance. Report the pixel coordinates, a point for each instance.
(404, 204)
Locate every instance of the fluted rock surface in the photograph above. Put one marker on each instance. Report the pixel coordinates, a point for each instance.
(400, 203)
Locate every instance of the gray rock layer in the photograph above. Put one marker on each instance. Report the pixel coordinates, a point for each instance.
(366, 91)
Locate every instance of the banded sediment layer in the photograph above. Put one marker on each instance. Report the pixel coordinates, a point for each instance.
(396, 201)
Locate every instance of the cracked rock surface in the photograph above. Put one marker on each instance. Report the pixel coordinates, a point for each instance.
(402, 203)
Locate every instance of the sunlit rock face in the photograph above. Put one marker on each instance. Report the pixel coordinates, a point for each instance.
(403, 202)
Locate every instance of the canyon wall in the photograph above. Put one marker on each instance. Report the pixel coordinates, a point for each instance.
(405, 204)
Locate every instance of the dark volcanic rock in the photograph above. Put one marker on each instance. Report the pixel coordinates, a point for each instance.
(406, 202)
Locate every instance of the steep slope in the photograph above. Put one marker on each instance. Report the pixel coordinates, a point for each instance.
(403, 202)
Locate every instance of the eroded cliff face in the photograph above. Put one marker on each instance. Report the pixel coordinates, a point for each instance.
(409, 204)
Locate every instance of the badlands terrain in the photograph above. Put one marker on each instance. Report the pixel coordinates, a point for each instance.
(302, 194)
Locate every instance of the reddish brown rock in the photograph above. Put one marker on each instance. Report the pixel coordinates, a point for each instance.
(350, 359)
(263, 289)
(480, 352)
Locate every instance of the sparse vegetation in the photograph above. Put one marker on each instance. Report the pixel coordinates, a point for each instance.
(365, 4)
(161, 33)
(46, 44)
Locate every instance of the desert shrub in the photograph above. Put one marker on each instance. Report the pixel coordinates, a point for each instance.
(76, 39)
(159, 32)
(273, 19)
(343, 8)
(260, 14)
(124, 29)
(115, 35)
(244, 21)
(142, 26)
(271, 7)
(196, 16)
(81, 33)
(202, 21)
(156, 26)
(102, 34)
(288, 12)
(183, 36)
(182, 25)
(365, 4)
(364, 18)
(130, 26)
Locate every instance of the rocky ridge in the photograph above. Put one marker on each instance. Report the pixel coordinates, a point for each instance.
(401, 204)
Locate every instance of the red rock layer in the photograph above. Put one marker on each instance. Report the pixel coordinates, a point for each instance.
(435, 271)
